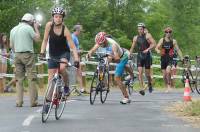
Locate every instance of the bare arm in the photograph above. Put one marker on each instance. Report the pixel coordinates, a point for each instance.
(92, 50)
(151, 41)
(178, 49)
(46, 35)
(37, 33)
(116, 56)
(158, 46)
(133, 44)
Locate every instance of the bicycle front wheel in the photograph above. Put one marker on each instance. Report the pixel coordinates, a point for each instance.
(197, 85)
(61, 102)
(104, 87)
(47, 103)
(94, 88)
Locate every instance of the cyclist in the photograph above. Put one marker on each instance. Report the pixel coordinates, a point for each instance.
(119, 55)
(144, 43)
(165, 48)
(57, 34)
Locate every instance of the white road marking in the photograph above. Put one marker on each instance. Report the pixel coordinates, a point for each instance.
(28, 120)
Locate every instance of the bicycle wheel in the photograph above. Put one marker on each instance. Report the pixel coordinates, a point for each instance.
(94, 88)
(47, 103)
(183, 77)
(192, 81)
(197, 86)
(104, 87)
(130, 89)
(60, 101)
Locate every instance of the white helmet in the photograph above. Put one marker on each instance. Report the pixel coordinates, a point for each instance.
(141, 25)
(58, 10)
(28, 17)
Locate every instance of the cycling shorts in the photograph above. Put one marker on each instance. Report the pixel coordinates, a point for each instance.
(144, 60)
(166, 61)
(121, 65)
(53, 65)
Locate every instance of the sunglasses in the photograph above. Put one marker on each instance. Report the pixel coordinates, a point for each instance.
(168, 32)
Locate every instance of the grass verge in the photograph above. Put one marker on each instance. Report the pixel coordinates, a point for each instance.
(188, 111)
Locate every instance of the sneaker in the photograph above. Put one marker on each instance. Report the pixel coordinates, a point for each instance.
(125, 101)
(36, 104)
(66, 91)
(142, 92)
(18, 105)
(84, 92)
(46, 108)
(150, 89)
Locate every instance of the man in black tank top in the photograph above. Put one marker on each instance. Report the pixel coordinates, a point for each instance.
(143, 43)
(165, 48)
(57, 33)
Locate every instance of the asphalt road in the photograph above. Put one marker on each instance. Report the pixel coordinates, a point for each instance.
(143, 114)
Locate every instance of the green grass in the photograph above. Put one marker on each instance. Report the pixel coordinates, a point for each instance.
(192, 109)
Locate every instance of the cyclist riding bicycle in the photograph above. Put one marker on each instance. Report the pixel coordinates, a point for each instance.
(57, 34)
(120, 56)
(165, 48)
(144, 43)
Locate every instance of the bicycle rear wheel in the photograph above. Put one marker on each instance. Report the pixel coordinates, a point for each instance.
(104, 87)
(47, 103)
(130, 89)
(61, 102)
(192, 81)
(94, 88)
(197, 86)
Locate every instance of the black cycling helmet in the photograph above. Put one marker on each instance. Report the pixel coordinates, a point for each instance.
(58, 10)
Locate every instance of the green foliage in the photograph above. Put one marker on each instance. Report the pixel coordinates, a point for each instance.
(117, 17)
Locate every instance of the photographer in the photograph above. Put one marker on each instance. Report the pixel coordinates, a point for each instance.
(21, 41)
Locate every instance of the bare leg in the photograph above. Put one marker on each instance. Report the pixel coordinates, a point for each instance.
(121, 86)
(168, 78)
(140, 77)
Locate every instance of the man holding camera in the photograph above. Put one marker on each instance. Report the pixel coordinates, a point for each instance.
(21, 41)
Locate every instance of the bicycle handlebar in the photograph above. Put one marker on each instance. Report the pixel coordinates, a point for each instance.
(58, 61)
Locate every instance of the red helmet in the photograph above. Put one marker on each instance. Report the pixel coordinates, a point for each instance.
(100, 38)
(168, 29)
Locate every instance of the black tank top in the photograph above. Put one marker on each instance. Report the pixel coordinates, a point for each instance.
(167, 48)
(57, 43)
(142, 43)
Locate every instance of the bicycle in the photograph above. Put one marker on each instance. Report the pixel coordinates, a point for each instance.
(187, 73)
(100, 80)
(127, 80)
(197, 86)
(54, 95)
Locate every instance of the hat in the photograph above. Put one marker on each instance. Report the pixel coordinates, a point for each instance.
(28, 17)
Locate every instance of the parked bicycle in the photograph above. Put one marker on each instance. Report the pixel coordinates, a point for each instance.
(187, 73)
(54, 95)
(197, 86)
(100, 80)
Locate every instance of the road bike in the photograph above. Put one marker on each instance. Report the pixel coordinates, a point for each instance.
(197, 65)
(100, 80)
(187, 72)
(54, 95)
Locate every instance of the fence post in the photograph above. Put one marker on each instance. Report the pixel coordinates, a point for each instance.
(83, 68)
(1, 84)
(41, 78)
